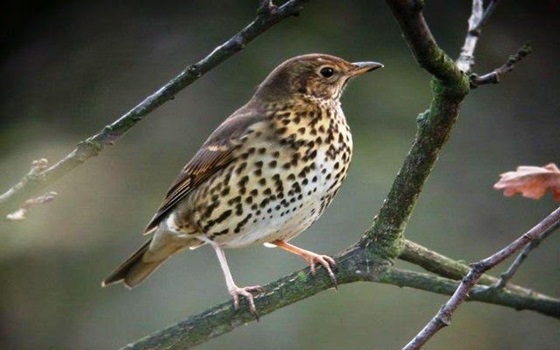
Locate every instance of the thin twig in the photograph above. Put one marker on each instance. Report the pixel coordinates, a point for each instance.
(506, 276)
(443, 317)
(21, 213)
(495, 76)
(446, 267)
(268, 15)
(465, 62)
(440, 264)
(479, 17)
(34, 174)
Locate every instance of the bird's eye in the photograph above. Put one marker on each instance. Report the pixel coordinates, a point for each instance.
(327, 72)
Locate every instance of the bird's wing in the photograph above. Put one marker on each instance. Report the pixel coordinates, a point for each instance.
(214, 155)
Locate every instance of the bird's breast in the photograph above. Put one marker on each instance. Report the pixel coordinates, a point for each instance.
(280, 182)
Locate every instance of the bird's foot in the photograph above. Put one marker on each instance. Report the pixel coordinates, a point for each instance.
(328, 263)
(236, 291)
(311, 258)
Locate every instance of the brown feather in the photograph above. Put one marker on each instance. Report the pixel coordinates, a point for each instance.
(214, 155)
(131, 267)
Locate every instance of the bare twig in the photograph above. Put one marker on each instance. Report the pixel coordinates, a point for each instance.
(465, 62)
(21, 213)
(495, 76)
(268, 15)
(479, 17)
(506, 276)
(34, 175)
(440, 264)
(443, 317)
(446, 267)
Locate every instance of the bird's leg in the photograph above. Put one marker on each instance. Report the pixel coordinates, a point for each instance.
(233, 289)
(310, 257)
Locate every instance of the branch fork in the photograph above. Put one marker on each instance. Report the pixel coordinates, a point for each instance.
(35, 173)
(443, 317)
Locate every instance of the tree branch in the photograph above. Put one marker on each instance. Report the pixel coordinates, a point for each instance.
(510, 297)
(450, 86)
(437, 263)
(421, 42)
(353, 266)
(37, 166)
(21, 213)
(452, 269)
(506, 276)
(443, 317)
(496, 75)
(479, 17)
(267, 16)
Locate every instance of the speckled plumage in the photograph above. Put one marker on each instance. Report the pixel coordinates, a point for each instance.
(287, 171)
(265, 174)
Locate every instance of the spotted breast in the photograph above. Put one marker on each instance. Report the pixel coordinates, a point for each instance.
(282, 183)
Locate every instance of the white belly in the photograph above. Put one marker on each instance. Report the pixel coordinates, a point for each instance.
(287, 217)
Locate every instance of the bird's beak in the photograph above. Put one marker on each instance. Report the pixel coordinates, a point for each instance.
(359, 68)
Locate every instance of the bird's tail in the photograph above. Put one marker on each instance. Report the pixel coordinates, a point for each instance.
(149, 257)
(135, 269)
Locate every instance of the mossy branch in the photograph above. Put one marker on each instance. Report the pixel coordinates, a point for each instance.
(449, 88)
(353, 266)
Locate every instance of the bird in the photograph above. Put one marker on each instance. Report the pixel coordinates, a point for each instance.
(263, 176)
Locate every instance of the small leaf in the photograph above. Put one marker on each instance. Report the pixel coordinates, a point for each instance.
(531, 181)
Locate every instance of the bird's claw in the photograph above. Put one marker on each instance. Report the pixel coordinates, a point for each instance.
(327, 262)
(246, 293)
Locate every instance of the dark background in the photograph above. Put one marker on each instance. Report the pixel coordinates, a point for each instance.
(68, 68)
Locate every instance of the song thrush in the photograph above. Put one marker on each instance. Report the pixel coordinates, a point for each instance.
(263, 176)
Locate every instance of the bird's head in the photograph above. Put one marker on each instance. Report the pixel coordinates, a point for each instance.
(316, 75)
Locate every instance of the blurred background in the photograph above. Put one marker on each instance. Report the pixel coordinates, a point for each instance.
(70, 67)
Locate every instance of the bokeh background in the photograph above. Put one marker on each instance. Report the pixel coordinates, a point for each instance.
(70, 67)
